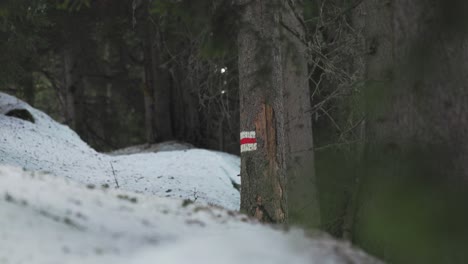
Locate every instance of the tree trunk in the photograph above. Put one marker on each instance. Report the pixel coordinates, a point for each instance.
(277, 162)
(28, 87)
(417, 55)
(70, 83)
(158, 119)
(185, 112)
(150, 71)
(162, 94)
(417, 127)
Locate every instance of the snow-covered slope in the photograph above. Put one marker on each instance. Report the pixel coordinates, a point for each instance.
(60, 204)
(49, 219)
(196, 174)
(145, 148)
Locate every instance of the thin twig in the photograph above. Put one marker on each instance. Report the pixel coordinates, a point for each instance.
(115, 177)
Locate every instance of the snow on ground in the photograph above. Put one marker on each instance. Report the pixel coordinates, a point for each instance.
(145, 148)
(68, 208)
(50, 219)
(196, 174)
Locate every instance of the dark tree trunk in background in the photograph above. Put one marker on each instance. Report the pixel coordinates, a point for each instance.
(417, 61)
(278, 178)
(186, 120)
(28, 88)
(150, 71)
(70, 87)
(417, 126)
(162, 94)
(158, 119)
(149, 110)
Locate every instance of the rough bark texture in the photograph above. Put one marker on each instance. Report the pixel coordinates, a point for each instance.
(278, 178)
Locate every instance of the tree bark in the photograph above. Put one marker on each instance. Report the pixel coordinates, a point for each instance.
(278, 179)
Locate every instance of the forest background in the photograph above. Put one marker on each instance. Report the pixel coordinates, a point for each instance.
(386, 78)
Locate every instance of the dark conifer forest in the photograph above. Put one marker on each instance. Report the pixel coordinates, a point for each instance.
(349, 116)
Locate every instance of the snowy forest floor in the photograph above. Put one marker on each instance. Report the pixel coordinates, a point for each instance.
(63, 202)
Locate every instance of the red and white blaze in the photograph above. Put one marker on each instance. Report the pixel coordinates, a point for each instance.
(248, 141)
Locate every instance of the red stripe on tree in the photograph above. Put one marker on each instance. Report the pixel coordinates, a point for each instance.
(248, 141)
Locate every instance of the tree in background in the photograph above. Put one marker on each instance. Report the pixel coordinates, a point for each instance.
(95, 57)
(277, 161)
(22, 26)
(334, 53)
(198, 74)
(157, 94)
(417, 143)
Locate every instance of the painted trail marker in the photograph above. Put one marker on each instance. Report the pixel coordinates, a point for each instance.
(248, 141)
